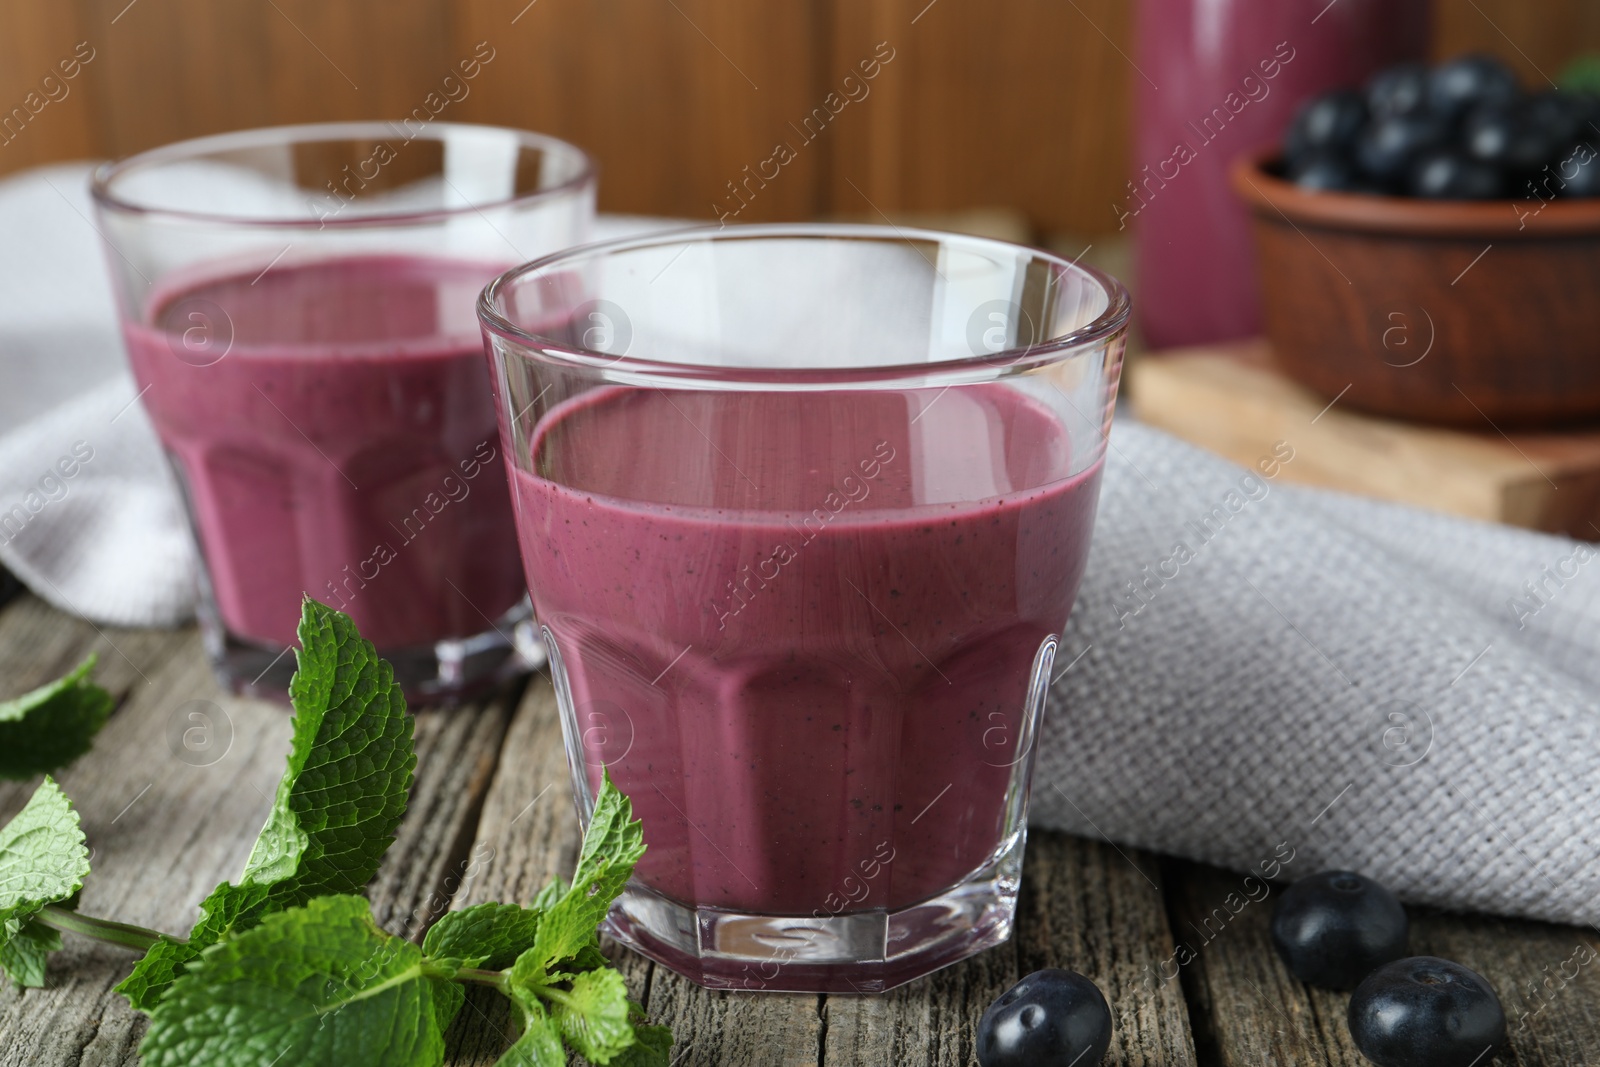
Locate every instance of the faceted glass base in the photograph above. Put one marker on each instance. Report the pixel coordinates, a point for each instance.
(861, 952)
(446, 672)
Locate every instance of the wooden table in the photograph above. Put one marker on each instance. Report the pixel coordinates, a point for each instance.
(491, 818)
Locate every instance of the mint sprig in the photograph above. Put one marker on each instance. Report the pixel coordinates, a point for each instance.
(338, 803)
(287, 964)
(50, 727)
(319, 984)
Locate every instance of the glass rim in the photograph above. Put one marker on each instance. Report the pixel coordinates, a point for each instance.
(106, 173)
(1107, 324)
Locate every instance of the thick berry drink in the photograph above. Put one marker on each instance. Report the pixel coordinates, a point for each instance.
(332, 426)
(810, 665)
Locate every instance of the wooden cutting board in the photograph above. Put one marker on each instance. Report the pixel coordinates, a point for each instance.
(1231, 400)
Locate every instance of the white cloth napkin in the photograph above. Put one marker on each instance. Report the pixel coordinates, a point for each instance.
(1317, 676)
(109, 541)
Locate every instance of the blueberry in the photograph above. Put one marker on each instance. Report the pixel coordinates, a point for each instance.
(1560, 116)
(1426, 1012)
(1398, 90)
(1447, 174)
(1389, 147)
(1334, 927)
(1577, 172)
(1328, 172)
(1511, 137)
(1455, 86)
(1330, 122)
(1052, 1018)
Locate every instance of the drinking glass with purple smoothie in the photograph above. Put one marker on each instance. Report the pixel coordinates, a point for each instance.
(803, 510)
(298, 309)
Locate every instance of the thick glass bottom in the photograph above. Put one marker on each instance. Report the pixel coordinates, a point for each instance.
(860, 952)
(445, 672)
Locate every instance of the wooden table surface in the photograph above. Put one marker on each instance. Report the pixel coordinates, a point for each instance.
(491, 819)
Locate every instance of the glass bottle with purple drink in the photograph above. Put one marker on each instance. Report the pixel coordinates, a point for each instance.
(298, 309)
(1217, 79)
(803, 511)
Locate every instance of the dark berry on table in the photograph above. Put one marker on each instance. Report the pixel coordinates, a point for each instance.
(1398, 90)
(1330, 122)
(1052, 1018)
(1509, 136)
(1328, 172)
(1389, 147)
(1455, 86)
(1449, 174)
(1333, 928)
(1426, 1012)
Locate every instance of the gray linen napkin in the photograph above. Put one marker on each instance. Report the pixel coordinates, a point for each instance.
(1379, 688)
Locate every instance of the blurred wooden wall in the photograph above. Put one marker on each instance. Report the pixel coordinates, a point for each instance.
(1017, 103)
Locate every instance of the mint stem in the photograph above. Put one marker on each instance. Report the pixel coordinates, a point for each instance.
(137, 938)
(478, 976)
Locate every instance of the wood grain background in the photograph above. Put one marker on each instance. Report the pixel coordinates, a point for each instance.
(1019, 103)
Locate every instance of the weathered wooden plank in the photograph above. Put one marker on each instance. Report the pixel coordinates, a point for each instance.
(457, 749)
(165, 822)
(1099, 910)
(170, 804)
(1248, 1008)
(39, 643)
(930, 1021)
(1085, 907)
(1257, 1014)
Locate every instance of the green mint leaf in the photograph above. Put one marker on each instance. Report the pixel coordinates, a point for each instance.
(652, 1047)
(539, 1044)
(50, 727)
(612, 847)
(484, 935)
(23, 956)
(229, 907)
(594, 1015)
(554, 890)
(447, 1000)
(315, 986)
(42, 861)
(338, 804)
(156, 970)
(345, 789)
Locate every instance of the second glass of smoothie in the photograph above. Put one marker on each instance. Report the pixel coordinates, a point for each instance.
(298, 310)
(803, 510)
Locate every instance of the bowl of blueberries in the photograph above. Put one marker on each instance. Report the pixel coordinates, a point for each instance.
(1429, 246)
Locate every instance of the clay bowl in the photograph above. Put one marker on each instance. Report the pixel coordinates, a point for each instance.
(1451, 312)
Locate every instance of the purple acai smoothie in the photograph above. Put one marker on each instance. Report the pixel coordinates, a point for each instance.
(810, 676)
(333, 427)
